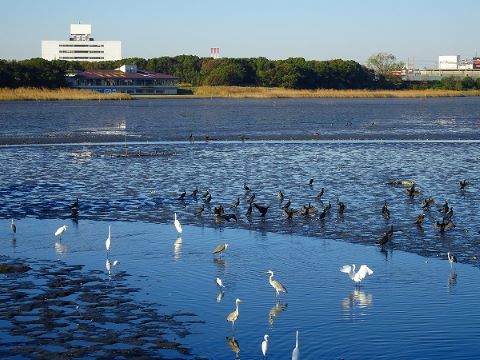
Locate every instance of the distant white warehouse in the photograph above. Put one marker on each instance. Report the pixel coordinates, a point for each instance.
(81, 47)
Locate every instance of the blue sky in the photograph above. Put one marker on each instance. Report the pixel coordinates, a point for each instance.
(314, 29)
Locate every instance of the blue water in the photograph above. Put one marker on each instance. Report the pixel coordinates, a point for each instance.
(414, 306)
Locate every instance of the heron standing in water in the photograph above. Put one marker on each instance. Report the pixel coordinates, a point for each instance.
(13, 226)
(452, 259)
(61, 230)
(265, 345)
(296, 350)
(220, 248)
(233, 316)
(277, 285)
(177, 224)
(108, 241)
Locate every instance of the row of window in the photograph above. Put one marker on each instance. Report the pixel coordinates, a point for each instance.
(81, 58)
(81, 45)
(82, 51)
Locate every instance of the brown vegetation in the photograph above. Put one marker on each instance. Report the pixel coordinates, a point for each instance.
(262, 92)
(38, 94)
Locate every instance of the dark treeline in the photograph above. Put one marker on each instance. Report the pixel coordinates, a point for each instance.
(293, 73)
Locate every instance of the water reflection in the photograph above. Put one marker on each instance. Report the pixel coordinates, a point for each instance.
(452, 279)
(276, 310)
(220, 296)
(60, 248)
(234, 346)
(356, 300)
(177, 248)
(220, 263)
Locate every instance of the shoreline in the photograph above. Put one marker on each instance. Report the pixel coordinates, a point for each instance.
(227, 92)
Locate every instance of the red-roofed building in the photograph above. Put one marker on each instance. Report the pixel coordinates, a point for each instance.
(127, 79)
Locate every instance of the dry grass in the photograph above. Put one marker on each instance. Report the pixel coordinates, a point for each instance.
(261, 92)
(38, 94)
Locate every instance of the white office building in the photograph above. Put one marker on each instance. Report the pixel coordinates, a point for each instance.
(81, 47)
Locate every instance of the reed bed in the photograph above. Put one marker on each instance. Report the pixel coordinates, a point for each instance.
(39, 94)
(262, 92)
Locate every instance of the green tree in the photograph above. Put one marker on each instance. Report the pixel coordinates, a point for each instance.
(384, 64)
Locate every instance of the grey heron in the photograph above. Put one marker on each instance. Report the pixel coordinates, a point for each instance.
(220, 248)
(13, 226)
(452, 259)
(277, 285)
(233, 316)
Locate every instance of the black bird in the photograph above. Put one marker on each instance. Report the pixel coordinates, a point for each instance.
(289, 213)
(444, 209)
(427, 202)
(208, 199)
(228, 217)
(341, 206)
(412, 191)
(385, 210)
(308, 209)
(444, 225)
(249, 211)
(320, 194)
(328, 207)
(287, 204)
(420, 219)
(245, 187)
(261, 209)
(199, 211)
(251, 198)
(74, 212)
(310, 182)
(206, 194)
(182, 196)
(390, 231)
(235, 204)
(13, 226)
(218, 210)
(195, 192)
(385, 238)
(191, 138)
(280, 196)
(449, 213)
(464, 184)
(74, 205)
(323, 214)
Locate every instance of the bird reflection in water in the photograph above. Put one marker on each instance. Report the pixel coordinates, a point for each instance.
(234, 346)
(275, 310)
(177, 248)
(357, 299)
(220, 263)
(220, 296)
(452, 279)
(60, 248)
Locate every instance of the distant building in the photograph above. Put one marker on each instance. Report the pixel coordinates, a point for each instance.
(126, 79)
(81, 47)
(448, 62)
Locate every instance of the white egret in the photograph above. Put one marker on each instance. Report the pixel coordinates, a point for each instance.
(220, 248)
(13, 226)
(61, 230)
(358, 276)
(233, 316)
(177, 224)
(277, 285)
(265, 345)
(451, 259)
(296, 350)
(219, 283)
(108, 241)
(109, 265)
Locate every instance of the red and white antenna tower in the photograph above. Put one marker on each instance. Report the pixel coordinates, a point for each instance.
(215, 52)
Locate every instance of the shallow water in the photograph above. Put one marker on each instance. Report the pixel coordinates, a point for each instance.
(410, 308)
(413, 306)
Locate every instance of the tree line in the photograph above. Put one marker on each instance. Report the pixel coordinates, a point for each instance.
(292, 73)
